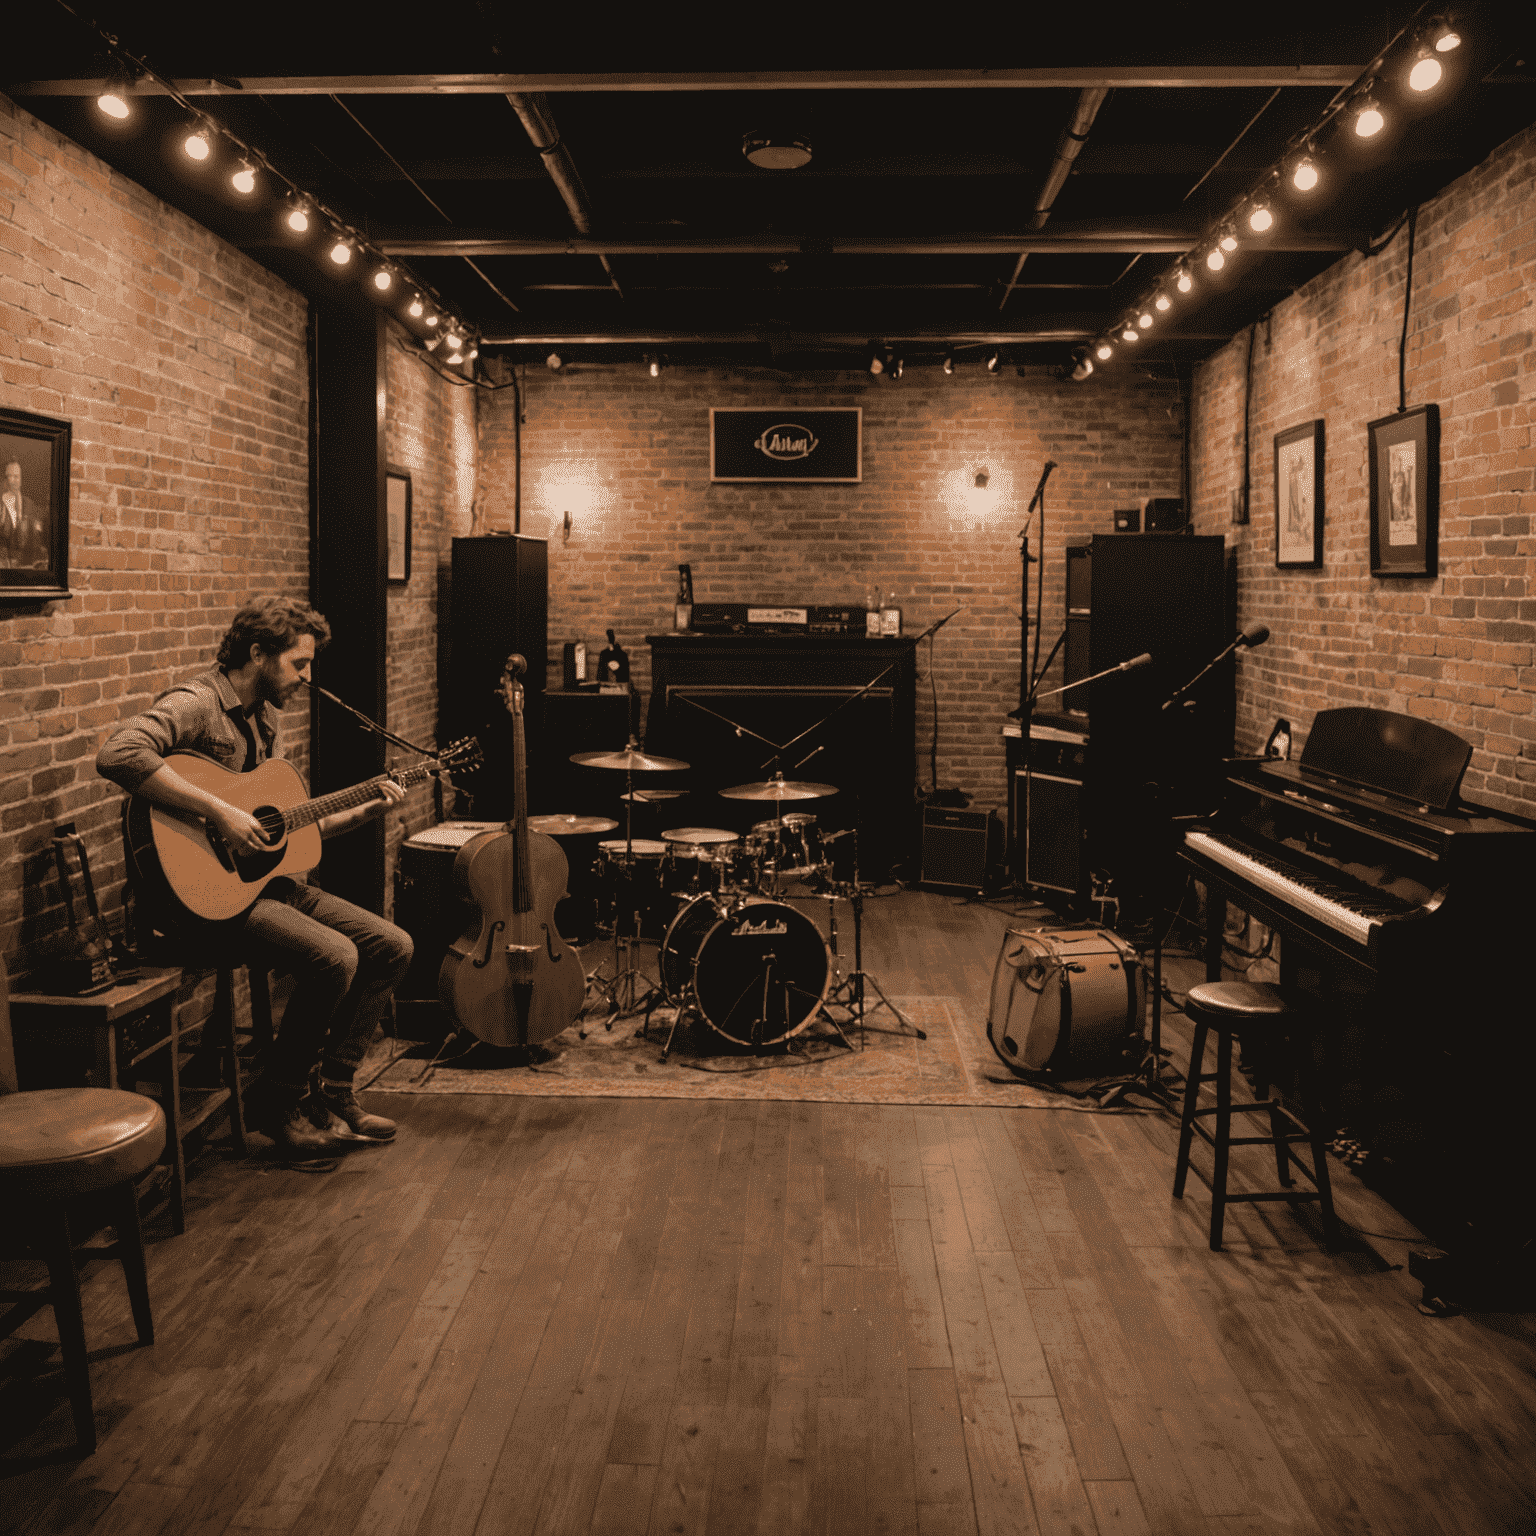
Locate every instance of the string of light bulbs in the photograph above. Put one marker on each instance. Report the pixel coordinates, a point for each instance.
(1432, 41)
(298, 209)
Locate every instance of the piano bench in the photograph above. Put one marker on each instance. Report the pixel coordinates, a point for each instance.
(1260, 1015)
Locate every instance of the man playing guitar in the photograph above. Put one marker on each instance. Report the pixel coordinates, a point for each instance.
(346, 960)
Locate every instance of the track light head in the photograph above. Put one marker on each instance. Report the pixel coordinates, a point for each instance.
(1445, 35)
(949, 363)
(341, 251)
(197, 144)
(1104, 351)
(115, 93)
(1082, 365)
(244, 180)
(1368, 119)
(1216, 261)
(1162, 303)
(554, 362)
(1186, 282)
(383, 279)
(1304, 177)
(417, 308)
(1427, 70)
(296, 215)
(1261, 219)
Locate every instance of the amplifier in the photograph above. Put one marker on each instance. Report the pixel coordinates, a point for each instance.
(954, 851)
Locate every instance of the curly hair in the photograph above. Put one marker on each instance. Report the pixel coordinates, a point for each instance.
(274, 624)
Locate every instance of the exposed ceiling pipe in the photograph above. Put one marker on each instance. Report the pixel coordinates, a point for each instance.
(533, 112)
(1068, 147)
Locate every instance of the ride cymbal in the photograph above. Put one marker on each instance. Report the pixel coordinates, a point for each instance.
(630, 760)
(652, 796)
(570, 826)
(779, 789)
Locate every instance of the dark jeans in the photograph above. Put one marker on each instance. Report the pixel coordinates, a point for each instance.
(346, 961)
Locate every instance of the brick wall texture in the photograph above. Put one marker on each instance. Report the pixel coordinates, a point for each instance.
(1455, 648)
(628, 456)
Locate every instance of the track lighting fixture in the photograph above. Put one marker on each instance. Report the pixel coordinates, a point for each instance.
(1427, 70)
(455, 341)
(554, 362)
(114, 96)
(455, 357)
(1163, 302)
(433, 343)
(1186, 282)
(994, 361)
(1261, 219)
(471, 354)
(949, 363)
(1082, 365)
(1216, 261)
(897, 368)
(1304, 177)
(1104, 351)
(196, 145)
(1368, 119)
(1144, 320)
(297, 215)
(1130, 333)
(1228, 241)
(1445, 36)
(417, 308)
(382, 279)
(244, 180)
(341, 251)
(881, 359)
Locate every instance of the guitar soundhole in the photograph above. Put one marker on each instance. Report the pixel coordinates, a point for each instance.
(271, 819)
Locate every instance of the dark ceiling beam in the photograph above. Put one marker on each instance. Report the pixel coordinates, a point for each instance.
(1129, 242)
(1018, 336)
(1074, 77)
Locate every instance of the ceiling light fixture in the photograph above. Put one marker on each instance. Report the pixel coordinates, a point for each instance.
(1304, 177)
(1144, 320)
(776, 151)
(1105, 351)
(1216, 261)
(1228, 240)
(244, 180)
(297, 216)
(341, 252)
(554, 362)
(1426, 72)
(114, 96)
(455, 340)
(1368, 120)
(1446, 37)
(1130, 333)
(432, 319)
(196, 146)
(1163, 302)
(1261, 219)
(382, 279)
(417, 308)
(1186, 282)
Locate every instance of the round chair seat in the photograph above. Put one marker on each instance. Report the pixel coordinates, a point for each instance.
(59, 1142)
(1238, 1004)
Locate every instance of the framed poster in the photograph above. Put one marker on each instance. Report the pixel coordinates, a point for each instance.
(34, 508)
(1299, 497)
(397, 503)
(1405, 492)
(821, 447)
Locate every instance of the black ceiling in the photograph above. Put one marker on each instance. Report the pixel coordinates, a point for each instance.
(905, 228)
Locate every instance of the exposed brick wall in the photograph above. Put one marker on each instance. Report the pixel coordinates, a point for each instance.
(1456, 648)
(430, 432)
(181, 365)
(628, 456)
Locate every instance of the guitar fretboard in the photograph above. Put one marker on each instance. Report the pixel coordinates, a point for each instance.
(308, 812)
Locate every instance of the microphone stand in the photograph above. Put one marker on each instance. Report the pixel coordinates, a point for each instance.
(1215, 661)
(371, 725)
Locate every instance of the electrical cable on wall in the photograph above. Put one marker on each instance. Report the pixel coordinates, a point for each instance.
(1402, 343)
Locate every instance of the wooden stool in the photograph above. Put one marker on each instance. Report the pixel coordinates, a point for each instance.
(56, 1145)
(1259, 1013)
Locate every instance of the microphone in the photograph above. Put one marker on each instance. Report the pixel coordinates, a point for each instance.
(1144, 660)
(1250, 635)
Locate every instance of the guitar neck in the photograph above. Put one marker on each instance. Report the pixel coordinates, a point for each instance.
(308, 812)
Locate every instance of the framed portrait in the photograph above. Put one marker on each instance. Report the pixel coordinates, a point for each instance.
(397, 504)
(1299, 497)
(34, 508)
(1405, 492)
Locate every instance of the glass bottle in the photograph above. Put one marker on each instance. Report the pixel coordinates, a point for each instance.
(872, 613)
(890, 617)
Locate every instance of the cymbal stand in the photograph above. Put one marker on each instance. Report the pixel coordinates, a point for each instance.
(850, 990)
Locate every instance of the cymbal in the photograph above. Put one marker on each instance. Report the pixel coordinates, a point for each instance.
(647, 796)
(779, 789)
(570, 826)
(630, 759)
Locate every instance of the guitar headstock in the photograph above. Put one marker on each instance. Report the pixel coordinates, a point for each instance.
(462, 756)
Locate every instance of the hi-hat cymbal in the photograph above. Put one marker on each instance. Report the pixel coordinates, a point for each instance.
(779, 789)
(630, 759)
(649, 796)
(570, 826)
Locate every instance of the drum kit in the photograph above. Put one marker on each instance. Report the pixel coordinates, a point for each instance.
(732, 953)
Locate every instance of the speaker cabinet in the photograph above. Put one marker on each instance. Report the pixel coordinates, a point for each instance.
(954, 848)
(498, 605)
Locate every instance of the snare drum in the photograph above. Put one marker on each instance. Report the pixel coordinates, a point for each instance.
(788, 846)
(700, 860)
(631, 898)
(756, 971)
(1067, 1001)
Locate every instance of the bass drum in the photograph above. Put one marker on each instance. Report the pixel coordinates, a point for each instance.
(755, 971)
(1067, 1001)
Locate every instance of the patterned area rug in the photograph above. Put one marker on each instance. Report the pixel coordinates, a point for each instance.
(886, 1063)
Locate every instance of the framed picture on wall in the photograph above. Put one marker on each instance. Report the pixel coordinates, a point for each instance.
(1299, 497)
(34, 508)
(1405, 492)
(397, 503)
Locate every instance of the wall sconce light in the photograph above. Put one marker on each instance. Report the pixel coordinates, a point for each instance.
(983, 479)
(565, 528)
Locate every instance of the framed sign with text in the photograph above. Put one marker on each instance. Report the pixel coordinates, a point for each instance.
(787, 443)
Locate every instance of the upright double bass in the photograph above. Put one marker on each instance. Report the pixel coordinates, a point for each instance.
(510, 978)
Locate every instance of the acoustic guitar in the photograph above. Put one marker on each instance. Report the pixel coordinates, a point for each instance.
(183, 857)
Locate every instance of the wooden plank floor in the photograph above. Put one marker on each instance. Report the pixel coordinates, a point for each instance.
(627, 1316)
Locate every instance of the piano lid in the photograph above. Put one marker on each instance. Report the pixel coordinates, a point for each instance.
(1397, 754)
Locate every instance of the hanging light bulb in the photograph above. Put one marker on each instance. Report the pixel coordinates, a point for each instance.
(455, 340)
(1216, 261)
(1426, 72)
(1304, 177)
(341, 252)
(244, 180)
(1228, 240)
(1261, 219)
(1130, 333)
(1163, 302)
(1446, 38)
(297, 217)
(417, 308)
(114, 97)
(1104, 351)
(1186, 282)
(432, 319)
(1144, 320)
(1369, 121)
(196, 145)
(382, 279)
(472, 354)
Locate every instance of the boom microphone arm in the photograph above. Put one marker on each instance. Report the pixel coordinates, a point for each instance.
(1251, 635)
(1144, 660)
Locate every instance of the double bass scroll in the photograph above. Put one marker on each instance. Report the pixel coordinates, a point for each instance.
(509, 978)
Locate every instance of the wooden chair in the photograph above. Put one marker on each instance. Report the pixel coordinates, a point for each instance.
(1261, 1016)
(57, 1145)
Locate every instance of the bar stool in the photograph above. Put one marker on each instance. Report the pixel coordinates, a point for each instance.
(1267, 1024)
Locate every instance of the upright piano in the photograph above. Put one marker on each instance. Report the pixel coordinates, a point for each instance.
(1406, 913)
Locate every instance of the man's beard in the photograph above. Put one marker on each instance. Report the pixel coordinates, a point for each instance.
(269, 688)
